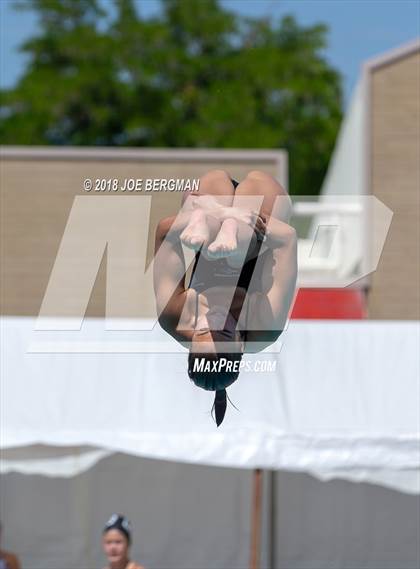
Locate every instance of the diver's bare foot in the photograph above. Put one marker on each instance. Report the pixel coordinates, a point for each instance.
(196, 233)
(225, 243)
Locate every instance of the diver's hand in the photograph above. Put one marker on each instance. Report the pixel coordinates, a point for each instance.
(279, 234)
(247, 216)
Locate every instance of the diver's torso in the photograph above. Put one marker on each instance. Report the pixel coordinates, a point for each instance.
(208, 274)
(216, 283)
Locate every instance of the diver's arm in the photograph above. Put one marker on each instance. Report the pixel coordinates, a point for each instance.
(284, 272)
(168, 274)
(270, 309)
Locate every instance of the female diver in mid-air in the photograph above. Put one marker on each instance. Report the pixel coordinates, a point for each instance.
(243, 280)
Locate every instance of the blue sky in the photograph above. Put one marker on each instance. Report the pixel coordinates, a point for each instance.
(359, 29)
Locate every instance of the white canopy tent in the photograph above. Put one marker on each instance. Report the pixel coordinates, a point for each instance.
(313, 414)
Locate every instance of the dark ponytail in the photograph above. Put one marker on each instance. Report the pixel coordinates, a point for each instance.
(214, 381)
(219, 406)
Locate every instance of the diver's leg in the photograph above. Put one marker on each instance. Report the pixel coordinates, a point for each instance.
(261, 193)
(215, 184)
(215, 188)
(275, 200)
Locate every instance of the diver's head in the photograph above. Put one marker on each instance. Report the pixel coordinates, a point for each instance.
(215, 355)
(214, 372)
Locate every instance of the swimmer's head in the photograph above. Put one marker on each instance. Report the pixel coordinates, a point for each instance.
(116, 539)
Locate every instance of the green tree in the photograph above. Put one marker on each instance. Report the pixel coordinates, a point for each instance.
(196, 75)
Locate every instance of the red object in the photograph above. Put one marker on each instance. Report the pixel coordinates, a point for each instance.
(330, 303)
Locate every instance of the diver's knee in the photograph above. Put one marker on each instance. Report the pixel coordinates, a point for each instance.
(215, 176)
(259, 174)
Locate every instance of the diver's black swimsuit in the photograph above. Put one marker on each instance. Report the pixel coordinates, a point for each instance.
(209, 274)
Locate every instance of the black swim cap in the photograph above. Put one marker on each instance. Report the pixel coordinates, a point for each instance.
(120, 523)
